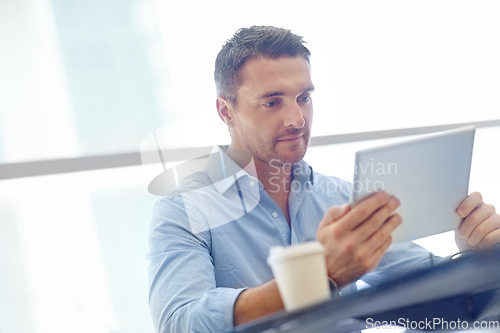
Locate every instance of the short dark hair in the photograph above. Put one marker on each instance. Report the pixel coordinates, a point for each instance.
(249, 43)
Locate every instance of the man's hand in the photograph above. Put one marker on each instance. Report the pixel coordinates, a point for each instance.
(356, 239)
(481, 225)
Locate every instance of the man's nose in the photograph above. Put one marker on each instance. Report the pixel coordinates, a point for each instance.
(294, 117)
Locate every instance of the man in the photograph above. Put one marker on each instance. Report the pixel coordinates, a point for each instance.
(209, 240)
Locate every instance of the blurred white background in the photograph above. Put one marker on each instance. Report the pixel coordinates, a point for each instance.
(82, 78)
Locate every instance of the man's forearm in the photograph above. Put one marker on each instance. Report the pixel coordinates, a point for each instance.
(257, 302)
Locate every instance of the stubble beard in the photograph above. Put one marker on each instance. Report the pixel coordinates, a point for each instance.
(269, 153)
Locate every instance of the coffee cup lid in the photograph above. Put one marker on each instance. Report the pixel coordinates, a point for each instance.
(294, 251)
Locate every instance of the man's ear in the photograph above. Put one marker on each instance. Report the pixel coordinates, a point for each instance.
(225, 110)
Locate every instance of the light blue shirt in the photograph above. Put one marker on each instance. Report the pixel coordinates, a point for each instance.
(209, 241)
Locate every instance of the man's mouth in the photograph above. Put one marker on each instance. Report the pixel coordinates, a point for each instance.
(291, 138)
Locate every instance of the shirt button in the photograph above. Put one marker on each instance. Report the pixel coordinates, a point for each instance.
(252, 183)
(275, 214)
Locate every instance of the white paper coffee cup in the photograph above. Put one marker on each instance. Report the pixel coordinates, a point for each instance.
(300, 272)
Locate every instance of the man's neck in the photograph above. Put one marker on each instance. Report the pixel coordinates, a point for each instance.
(276, 179)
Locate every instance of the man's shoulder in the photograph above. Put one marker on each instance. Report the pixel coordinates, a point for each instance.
(181, 196)
(184, 208)
(191, 183)
(206, 204)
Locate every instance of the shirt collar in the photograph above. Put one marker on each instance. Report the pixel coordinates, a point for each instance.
(302, 172)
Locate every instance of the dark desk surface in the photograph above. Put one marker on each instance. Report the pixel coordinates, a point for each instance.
(463, 290)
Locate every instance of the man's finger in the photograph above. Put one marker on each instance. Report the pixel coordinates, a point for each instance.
(377, 253)
(475, 218)
(384, 232)
(483, 229)
(366, 208)
(490, 239)
(377, 219)
(469, 204)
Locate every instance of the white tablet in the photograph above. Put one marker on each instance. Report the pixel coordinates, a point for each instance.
(428, 174)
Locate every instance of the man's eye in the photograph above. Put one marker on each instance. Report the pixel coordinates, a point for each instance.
(271, 104)
(305, 99)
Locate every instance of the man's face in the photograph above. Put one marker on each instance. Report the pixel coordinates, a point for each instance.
(273, 113)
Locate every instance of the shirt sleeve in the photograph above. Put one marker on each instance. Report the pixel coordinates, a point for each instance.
(183, 296)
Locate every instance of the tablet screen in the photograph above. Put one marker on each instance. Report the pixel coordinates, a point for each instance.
(428, 174)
